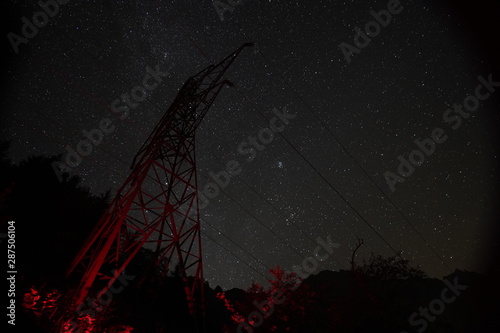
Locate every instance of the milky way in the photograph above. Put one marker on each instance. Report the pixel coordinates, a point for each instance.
(351, 117)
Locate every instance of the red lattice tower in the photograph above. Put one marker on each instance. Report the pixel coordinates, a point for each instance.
(157, 206)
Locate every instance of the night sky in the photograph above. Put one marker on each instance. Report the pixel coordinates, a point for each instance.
(324, 174)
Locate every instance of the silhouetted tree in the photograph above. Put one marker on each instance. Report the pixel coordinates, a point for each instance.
(394, 267)
(52, 218)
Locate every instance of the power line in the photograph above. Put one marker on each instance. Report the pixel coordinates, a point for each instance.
(232, 241)
(344, 148)
(319, 174)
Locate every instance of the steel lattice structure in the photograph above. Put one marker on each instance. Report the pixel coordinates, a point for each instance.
(157, 206)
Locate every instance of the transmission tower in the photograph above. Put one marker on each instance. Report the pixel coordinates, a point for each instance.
(157, 206)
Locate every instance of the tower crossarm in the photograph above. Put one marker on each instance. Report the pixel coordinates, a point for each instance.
(190, 106)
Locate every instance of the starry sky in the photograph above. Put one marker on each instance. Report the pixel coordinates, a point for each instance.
(324, 175)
